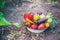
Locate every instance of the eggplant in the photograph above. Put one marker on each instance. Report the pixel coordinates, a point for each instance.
(41, 21)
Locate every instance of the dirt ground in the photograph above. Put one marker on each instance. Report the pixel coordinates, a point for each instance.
(14, 11)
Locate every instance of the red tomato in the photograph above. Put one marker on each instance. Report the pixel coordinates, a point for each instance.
(30, 16)
(26, 15)
(34, 26)
(41, 26)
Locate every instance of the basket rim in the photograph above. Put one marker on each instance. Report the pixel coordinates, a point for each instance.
(36, 29)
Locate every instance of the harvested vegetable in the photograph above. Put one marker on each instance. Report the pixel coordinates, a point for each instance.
(41, 21)
(36, 17)
(47, 25)
(29, 21)
(41, 26)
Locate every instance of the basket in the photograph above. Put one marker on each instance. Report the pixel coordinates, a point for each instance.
(35, 31)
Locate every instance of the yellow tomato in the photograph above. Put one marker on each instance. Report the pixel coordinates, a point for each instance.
(47, 25)
(36, 17)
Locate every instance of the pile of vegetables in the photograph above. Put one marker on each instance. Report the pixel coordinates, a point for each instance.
(38, 21)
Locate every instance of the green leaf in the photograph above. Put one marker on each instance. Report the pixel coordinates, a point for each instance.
(49, 15)
(1, 15)
(2, 3)
(4, 22)
(34, 21)
(54, 24)
(17, 24)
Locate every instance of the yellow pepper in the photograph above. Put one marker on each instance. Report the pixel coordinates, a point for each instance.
(36, 17)
(47, 25)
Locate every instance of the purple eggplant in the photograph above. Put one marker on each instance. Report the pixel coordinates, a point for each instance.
(42, 21)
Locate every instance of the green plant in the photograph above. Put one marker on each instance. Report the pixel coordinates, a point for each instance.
(53, 2)
(2, 3)
(4, 22)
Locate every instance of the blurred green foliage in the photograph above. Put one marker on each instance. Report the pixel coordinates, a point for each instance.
(53, 2)
(2, 3)
(3, 21)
